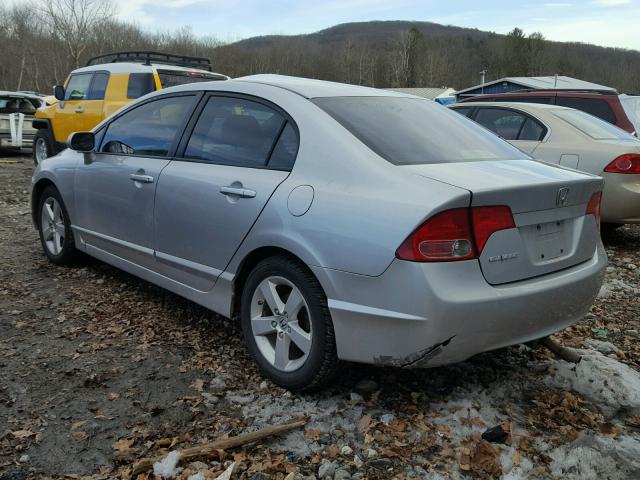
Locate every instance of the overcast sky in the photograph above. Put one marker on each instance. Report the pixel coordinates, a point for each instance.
(613, 23)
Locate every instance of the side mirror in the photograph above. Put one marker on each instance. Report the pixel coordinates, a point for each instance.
(83, 142)
(58, 92)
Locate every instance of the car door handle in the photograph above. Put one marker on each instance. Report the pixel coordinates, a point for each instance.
(239, 192)
(79, 110)
(138, 177)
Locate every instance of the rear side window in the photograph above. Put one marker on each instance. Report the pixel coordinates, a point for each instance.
(285, 151)
(594, 106)
(408, 131)
(502, 122)
(592, 126)
(171, 78)
(149, 129)
(234, 131)
(532, 130)
(78, 87)
(140, 84)
(98, 86)
(17, 105)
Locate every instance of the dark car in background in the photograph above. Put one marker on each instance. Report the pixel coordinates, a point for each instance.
(602, 104)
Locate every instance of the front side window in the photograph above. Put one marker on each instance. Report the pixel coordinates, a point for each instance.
(78, 87)
(408, 131)
(149, 129)
(505, 123)
(234, 131)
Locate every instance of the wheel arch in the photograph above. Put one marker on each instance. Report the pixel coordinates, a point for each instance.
(249, 262)
(36, 192)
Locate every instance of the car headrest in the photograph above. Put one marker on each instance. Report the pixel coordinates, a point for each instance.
(241, 130)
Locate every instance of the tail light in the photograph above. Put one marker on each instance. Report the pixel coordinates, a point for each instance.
(593, 207)
(628, 163)
(457, 234)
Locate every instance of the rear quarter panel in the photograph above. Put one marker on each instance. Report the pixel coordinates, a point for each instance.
(363, 207)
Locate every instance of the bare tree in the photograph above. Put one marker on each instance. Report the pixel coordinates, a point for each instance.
(74, 21)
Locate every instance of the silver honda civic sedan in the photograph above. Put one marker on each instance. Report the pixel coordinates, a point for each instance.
(335, 222)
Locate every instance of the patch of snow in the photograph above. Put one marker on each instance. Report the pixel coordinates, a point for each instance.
(166, 468)
(605, 382)
(594, 458)
(196, 476)
(600, 346)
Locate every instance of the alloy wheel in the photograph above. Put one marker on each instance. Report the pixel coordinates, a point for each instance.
(52, 225)
(41, 150)
(281, 323)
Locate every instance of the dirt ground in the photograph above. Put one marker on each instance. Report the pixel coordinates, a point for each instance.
(99, 369)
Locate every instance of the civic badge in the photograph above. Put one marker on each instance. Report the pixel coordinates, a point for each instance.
(563, 197)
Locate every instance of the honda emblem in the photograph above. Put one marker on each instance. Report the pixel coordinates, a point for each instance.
(563, 197)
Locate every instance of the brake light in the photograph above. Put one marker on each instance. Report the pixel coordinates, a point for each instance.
(628, 163)
(487, 220)
(593, 207)
(456, 234)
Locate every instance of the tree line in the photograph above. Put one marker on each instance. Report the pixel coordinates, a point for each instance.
(41, 42)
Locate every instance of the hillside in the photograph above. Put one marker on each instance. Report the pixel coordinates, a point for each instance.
(382, 53)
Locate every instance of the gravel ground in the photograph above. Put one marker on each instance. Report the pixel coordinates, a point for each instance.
(99, 369)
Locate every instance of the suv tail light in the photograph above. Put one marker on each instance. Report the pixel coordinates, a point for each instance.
(456, 234)
(593, 207)
(628, 163)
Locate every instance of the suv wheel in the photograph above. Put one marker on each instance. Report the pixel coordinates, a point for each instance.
(287, 325)
(54, 228)
(42, 146)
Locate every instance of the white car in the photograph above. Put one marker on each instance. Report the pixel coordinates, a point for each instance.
(574, 139)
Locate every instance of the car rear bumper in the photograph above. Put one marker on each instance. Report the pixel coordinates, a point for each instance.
(621, 198)
(430, 314)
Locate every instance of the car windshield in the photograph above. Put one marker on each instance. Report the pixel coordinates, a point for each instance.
(592, 126)
(171, 78)
(408, 131)
(17, 105)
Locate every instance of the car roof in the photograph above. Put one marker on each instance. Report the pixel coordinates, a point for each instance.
(311, 88)
(5, 93)
(132, 67)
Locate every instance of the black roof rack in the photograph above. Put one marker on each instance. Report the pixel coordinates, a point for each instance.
(152, 57)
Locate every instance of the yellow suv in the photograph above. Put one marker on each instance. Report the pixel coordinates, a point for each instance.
(106, 84)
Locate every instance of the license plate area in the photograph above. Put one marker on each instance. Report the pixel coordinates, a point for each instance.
(548, 241)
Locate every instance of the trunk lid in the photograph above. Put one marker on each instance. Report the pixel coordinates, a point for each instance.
(548, 204)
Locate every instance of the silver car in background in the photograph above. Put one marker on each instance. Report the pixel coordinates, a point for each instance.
(336, 222)
(573, 139)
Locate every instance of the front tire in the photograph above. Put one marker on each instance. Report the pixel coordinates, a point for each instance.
(43, 146)
(287, 324)
(54, 228)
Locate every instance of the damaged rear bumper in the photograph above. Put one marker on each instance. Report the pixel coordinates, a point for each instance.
(431, 314)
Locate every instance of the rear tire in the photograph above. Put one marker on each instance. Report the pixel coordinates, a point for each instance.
(54, 228)
(43, 146)
(296, 349)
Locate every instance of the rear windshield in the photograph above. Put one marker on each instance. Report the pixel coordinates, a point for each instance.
(593, 126)
(408, 131)
(18, 105)
(171, 78)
